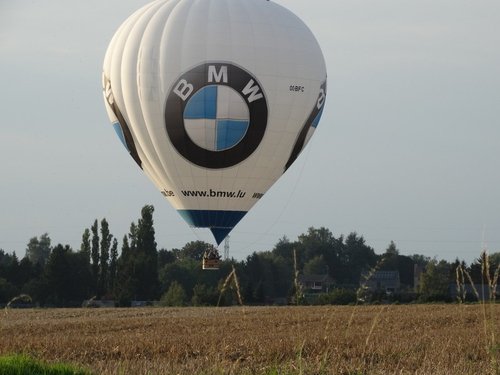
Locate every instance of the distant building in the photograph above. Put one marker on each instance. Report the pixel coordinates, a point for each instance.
(382, 281)
(315, 283)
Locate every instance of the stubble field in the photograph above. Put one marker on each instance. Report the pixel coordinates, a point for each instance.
(354, 340)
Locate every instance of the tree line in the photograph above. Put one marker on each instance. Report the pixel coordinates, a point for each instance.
(61, 276)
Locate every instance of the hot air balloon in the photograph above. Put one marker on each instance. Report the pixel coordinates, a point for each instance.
(214, 100)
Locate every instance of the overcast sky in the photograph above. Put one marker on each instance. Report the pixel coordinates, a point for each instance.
(407, 149)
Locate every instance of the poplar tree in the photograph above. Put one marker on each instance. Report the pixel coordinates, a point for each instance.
(95, 255)
(106, 238)
(147, 255)
(85, 247)
(113, 266)
(138, 263)
(125, 289)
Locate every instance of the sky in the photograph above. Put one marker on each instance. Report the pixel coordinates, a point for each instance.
(407, 149)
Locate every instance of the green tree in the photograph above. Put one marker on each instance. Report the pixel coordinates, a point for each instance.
(355, 258)
(113, 266)
(81, 277)
(175, 295)
(106, 238)
(419, 259)
(85, 247)
(145, 230)
(195, 250)
(138, 264)
(146, 255)
(495, 260)
(95, 255)
(38, 249)
(320, 241)
(10, 276)
(7, 291)
(393, 261)
(478, 268)
(406, 268)
(186, 272)
(126, 285)
(204, 295)
(132, 236)
(316, 266)
(9, 266)
(263, 277)
(166, 257)
(68, 279)
(389, 260)
(435, 281)
(58, 276)
(284, 248)
(25, 272)
(32, 280)
(392, 250)
(4, 258)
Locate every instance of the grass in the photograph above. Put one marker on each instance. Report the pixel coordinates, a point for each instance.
(25, 365)
(490, 278)
(387, 339)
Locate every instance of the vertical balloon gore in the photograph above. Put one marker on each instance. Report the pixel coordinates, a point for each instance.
(214, 100)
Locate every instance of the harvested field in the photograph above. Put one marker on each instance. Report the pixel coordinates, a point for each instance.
(416, 339)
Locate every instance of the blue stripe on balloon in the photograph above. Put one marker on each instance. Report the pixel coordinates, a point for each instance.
(230, 132)
(317, 118)
(119, 133)
(203, 104)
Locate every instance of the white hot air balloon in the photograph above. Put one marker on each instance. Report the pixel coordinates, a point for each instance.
(214, 100)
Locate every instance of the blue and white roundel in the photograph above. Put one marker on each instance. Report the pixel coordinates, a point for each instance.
(216, 118)
(216, 115)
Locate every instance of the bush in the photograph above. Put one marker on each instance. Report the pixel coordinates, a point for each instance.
(338, 297)
(175, 295)
(204, 295)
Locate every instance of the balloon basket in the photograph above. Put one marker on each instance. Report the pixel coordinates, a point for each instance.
(210, 264)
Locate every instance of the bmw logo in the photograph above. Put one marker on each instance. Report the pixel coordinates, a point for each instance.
(216, 115)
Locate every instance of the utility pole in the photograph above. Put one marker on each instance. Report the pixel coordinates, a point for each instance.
(226, 248)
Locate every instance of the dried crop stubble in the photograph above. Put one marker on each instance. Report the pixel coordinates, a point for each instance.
(426, 339)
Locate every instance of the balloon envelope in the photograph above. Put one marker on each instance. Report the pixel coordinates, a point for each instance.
(214, 100)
